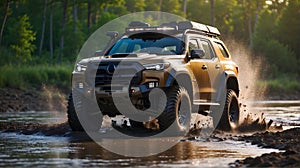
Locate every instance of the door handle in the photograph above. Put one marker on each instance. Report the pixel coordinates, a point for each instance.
(204, 67)
(217, 66)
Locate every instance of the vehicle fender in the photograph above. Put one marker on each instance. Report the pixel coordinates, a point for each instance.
(181, 78)
(223, 84)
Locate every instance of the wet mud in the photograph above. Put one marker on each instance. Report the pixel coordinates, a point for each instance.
(288, 141)
(16, 100)
(36, 128)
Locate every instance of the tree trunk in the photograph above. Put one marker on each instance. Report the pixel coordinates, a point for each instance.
(43, 27)
(4, 19)
(250, 31)
(75, 16)
(184, 7)
(89, 18)
(95, 15)
(51, 31)
(257, 12)
(160, 9)
(212, 12)
(63, 26)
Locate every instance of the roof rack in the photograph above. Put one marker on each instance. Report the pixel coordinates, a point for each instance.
(173, 27)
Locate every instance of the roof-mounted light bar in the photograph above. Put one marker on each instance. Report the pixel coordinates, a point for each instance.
(138, 26)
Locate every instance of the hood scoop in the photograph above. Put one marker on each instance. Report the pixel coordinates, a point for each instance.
(121, 55)
(131, 55)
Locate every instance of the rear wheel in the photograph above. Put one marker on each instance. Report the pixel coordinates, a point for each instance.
(231, 112)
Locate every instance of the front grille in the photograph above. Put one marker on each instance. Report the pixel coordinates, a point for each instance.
(122, 74)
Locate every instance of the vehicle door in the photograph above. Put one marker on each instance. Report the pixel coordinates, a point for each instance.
(205, 69)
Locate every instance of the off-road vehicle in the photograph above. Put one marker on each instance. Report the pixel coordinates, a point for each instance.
(175, 68)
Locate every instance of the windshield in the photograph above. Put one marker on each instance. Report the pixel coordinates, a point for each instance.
(152, 44)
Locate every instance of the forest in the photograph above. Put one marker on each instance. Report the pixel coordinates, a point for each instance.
(40, 40)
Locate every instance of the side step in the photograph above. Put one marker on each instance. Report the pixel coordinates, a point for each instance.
(204, 111)
(199, 103)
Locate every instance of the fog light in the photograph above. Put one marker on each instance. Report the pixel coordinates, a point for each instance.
(151, 85)
(80, 85)
(134, 89)
(88, 91)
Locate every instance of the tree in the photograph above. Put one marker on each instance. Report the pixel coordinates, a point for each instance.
(198, 11)
(23, 37)
(289, 26)
(63, 26)
(212, 12)
(171, 6)
(51, 30)
(135, 5)
(43, 27)
(152, 5)
(4, 19)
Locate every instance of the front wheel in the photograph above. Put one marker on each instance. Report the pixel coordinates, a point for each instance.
(177, 113)
(231, 113)
(82, 108)
(73, 120)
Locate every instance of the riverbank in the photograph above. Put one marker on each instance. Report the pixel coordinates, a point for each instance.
(17, 100)
(288, 141)
(50, 98)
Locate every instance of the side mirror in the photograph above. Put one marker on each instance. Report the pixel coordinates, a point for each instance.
(112, 34)
(197, 53)
(99, 53)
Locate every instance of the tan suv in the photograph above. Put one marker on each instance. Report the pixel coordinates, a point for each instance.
(157, 73)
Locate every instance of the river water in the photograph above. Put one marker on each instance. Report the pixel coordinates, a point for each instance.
(69, 150)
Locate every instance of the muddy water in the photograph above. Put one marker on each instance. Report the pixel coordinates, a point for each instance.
(72, 150)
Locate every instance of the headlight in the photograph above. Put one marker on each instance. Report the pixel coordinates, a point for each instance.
(80, 68)
(158, 66)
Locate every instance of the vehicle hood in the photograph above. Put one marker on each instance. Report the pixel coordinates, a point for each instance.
(142, 58)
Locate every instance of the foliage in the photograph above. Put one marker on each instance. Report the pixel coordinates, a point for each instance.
(279, 58)
(23, 37)
(25, 77)
(283, 84)
(276, 40)
(289, 26)
(269, 27)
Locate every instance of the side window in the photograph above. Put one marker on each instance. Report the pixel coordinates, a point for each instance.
(193, 44)
(121, 48)
(208, 52)
(137, 47)
(223, 51)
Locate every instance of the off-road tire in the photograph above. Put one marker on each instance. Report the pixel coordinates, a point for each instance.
(231, 112)
(136, 124)
(72, 116)
(178, 99)
(82, 107)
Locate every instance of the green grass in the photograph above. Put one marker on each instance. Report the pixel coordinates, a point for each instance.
(27, 77)
(284, 84)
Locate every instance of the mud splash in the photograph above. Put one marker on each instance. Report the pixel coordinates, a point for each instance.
(55, 99)
(250, 71)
